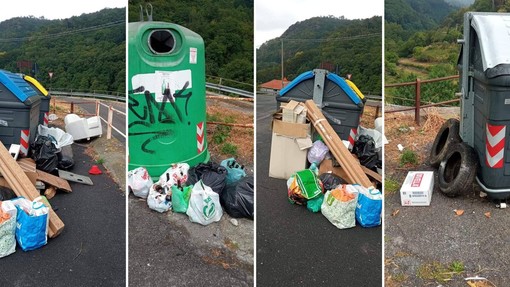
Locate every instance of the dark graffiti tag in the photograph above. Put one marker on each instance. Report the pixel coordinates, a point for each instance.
(153, 112)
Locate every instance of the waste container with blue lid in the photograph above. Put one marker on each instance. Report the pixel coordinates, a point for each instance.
(44, 109)
(339, 103)
(485, 104)
(19, 111)
(166, 89)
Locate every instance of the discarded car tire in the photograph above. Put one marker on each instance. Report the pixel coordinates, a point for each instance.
(457, 170)
(447, 136)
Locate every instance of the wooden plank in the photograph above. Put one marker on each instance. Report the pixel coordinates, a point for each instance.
(354, 172)
(54, 180)
(50, 192)
(372, 174)
(21, 185)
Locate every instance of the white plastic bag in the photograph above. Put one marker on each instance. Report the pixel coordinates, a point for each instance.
(340, 213)
(8, 230)
(159, 198)
(317, 152)
(176, 173)
(59, 135)
(139, 182)
(204, 205)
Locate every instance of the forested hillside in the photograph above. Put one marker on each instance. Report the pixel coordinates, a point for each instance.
(225, 25)
(347, 46)
(84, 52)
(412, 52)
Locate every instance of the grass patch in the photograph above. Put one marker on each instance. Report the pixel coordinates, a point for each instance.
(408, 157)
(229, 149)
(100, 161)
(221, 134)
(391, 186)
(439, 272)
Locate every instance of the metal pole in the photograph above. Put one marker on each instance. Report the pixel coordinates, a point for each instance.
(282, 61)
(417, 102)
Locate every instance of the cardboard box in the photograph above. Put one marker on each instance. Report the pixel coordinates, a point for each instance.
(289, 147)
(417, 188)
(294, 112)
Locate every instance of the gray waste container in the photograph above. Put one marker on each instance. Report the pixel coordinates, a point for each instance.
(19, 111)
(338, 102)
(485, 119)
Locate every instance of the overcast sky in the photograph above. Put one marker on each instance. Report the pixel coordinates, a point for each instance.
(273, 17)
(54, 9)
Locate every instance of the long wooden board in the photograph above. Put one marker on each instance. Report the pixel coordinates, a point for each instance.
(54, 180)
(21, 185)
(354, 172)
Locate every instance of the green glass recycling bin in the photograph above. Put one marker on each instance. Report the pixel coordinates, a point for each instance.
(166, 97)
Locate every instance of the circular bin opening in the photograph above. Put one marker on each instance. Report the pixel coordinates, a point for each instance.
(161, 41)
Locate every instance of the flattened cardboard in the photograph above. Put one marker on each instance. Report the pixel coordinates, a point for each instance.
(286, 157)
(293, 130)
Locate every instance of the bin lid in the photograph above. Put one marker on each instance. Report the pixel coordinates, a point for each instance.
(330, 76)
(36, 85)
(17, 85)
(493, 30)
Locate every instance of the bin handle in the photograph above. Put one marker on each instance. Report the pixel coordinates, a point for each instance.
(149, 16)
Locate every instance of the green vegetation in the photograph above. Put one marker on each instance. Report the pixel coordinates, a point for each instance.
(343, 46)
(225, 25)
(391, 186)
(86, 52)
(421, 42)
(229, 149)
(408, 157)
(439, 272)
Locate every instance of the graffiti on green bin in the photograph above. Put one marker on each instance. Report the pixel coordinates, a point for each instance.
(149, 103)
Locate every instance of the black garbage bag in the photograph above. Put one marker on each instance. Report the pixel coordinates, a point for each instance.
(6, 193)
(331, 181)
(65, 157)
(44, 152)
(364, 149)
(237, 198)
(211, 174)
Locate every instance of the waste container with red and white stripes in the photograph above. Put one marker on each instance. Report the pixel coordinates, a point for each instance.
(19, 111)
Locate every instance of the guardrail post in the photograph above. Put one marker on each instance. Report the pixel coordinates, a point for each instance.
(72, 108)
(417, 101)
(110, 120)
(97, 107)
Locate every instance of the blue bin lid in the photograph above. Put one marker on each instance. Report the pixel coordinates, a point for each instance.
(17, 85)
(332, 77)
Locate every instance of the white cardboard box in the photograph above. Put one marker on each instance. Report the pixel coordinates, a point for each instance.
(417, 188)
(289, 146)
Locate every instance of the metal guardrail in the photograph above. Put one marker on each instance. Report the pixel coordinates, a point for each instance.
(122, 98)
(221, 88)
(119, 97)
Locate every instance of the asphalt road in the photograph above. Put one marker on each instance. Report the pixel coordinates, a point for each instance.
(418, 238)
(164, 253)
(298, 248)
(119, 120)
(91, 250)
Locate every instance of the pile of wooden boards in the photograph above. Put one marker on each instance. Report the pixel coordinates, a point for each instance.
(22, 185)
(353, 169)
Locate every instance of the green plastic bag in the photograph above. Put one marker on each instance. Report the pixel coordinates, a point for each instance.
(314, 205)
(180, 198)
